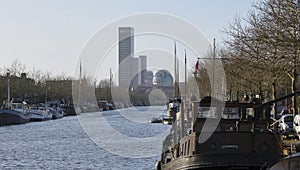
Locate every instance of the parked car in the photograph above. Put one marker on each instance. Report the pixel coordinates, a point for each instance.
(286, 123)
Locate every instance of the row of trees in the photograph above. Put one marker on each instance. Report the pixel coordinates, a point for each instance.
(262, 52)
(37, 86)
(32, 85)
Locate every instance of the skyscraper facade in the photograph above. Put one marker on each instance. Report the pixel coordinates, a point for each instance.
(134, 72)
(126, 51)
(143, 69)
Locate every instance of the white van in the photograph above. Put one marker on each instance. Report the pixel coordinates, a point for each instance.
(297, 125)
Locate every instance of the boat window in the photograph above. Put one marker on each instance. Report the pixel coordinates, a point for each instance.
(16, 106)
(230, 113)
(188, 148)
(207, 112)
(185, 149)
(182, 149)
(13, 106)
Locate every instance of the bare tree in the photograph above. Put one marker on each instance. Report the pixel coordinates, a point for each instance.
(267, 42)
(36, 74)
(16, 67)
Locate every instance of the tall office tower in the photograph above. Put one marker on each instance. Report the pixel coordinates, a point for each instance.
(126, 51)
(134, 72)
(143, 70)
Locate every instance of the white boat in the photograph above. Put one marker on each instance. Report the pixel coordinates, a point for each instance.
(36, 114)
(48, 115)
(55, 109)
(15, 114)
(45, 110)
(55, 113)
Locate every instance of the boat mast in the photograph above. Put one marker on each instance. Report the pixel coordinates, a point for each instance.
(185, 90)
(213, 71)
(183, 101)
(175, 71)
(177, 77)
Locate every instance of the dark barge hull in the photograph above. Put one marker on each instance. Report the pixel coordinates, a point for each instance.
(291, 162)
(11, 117)
(242, 150)
(225, 162)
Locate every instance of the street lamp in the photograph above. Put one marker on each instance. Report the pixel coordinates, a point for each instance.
(8, 89)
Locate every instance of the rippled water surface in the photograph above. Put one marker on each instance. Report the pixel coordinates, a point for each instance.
(63, 144)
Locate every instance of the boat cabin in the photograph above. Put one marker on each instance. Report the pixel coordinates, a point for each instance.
(18, 106)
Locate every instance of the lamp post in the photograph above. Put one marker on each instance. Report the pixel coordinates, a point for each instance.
(46, 95)
(8, 89)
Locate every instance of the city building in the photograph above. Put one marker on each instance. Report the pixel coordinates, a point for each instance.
(149, 78)
(143, 70)
(134, 72)
(163, 78)
(126, 51)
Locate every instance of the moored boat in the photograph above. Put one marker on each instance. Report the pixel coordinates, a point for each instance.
(156, 120)
(291, 162)
(48, 115)
(55, 113)
(35, 114)
(172, 110)
(54, 108)
(238, 137)
(14, 114)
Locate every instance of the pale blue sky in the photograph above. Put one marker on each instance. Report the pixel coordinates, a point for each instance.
(49, 34)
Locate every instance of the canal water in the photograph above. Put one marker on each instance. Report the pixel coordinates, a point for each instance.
(67, 143)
